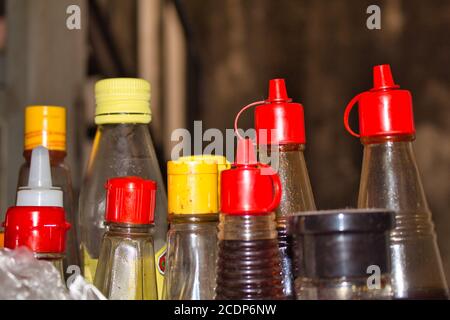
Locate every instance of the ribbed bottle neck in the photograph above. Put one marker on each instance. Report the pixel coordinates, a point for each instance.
(247, 227)
(127, 229)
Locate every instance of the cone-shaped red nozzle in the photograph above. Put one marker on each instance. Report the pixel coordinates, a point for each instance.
(245, 152)
(277, 91)
(382, 77)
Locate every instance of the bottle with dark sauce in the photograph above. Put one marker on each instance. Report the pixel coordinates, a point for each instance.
(280, 133)
(249, 266)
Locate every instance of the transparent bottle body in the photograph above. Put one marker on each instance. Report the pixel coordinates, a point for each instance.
(248, 264)
(343, 289)
(297, 196)
(118, 150)
(390, 179)
(57, 259)
(191, 258)
(61, 178)
(126, 266)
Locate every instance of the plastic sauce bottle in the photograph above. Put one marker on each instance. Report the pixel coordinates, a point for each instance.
(280, 133)
(346, 254)
(248, 265)
(126, 267)
(38, 219)
(122, 147)
(390, 179)
(46, 126)
(193, 216)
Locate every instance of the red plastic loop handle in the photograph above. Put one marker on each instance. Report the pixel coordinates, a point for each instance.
(348, 109)
(239, 114)
(277, 189)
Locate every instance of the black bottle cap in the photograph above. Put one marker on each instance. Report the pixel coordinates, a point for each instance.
(342, 243)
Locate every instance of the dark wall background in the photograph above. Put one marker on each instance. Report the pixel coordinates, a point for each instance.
(326, 53)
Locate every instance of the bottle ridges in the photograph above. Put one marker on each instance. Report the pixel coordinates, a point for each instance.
(249, 270)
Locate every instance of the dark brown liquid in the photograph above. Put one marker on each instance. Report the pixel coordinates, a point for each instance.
(426, 294)
(285, 246)
(249, 270)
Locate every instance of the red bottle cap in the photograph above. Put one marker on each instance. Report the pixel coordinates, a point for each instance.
(279, 120)
(41, 229)
(246, 188)
(384, 110)
(130, 200)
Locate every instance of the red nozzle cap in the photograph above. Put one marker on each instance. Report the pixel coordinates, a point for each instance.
(384, 110)
(279, 121)
(41, 229)
(382, 78)
(245, 189)
(277, 91)
(130, 200)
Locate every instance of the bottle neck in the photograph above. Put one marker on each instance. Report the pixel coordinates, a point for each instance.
(193, 218)
(129, 130)
(119, 142)
(122, 141)
(386, 139)
(56, 156)
(247, 227)
(281, 148)
(54, 258)
(390, 177)
(127, 229)
(289, 162)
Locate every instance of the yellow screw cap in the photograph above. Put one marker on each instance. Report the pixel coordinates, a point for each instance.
(193, 184)
(45, 126)
(122, 100)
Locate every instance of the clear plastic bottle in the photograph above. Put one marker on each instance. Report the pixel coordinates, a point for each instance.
(345, 254)
(390, 179)
(280, 131)
(38, 219)
(126, 267)
(46, 126)
(249, 265)
(122, 147)
(193, 216)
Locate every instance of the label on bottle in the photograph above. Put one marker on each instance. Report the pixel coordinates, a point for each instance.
(89, 266)
(160, 260)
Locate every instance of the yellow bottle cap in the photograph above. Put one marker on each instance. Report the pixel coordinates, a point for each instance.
(122, 100)
(45, 126)
(193, 184)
